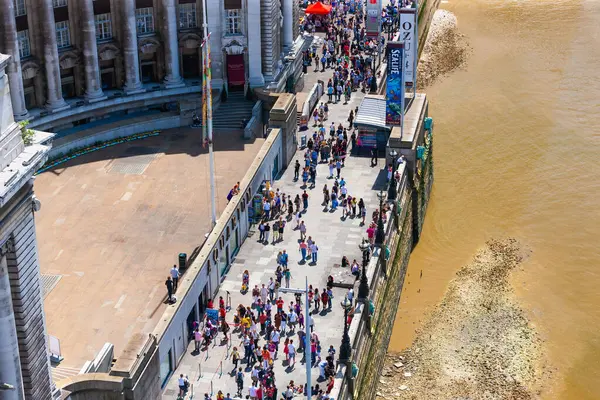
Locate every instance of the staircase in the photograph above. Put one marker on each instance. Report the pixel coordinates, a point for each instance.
(229, 115)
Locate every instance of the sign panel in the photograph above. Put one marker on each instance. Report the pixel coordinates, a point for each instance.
(408, 36)
(373, 18)
(394, 94)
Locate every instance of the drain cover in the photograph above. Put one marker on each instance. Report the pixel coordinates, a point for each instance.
(48, 283)
(135, 161)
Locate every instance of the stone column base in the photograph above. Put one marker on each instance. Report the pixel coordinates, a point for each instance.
(59, 106)
(257, 81)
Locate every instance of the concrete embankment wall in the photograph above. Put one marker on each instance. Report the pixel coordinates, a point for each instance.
(370, 334)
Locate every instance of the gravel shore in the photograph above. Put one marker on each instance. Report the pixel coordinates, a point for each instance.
(477, 344)
(445, 49)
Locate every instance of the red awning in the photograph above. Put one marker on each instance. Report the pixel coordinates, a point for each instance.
(318, 8)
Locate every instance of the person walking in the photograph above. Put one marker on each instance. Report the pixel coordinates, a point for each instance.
(303, 249)
(313, 250)
(175, 277)
(302, 229)
(267, 232)
(235, 358)
(292, 353)
(287, 275)
(305, 200)
(296, 170)
(169, 285)
(261, 229)
(239, 379)
(374, 156)
(281, 228)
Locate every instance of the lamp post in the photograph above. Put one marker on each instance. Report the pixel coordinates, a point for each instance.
(392, 191)
(380, 236)
(346, 347)
(363, 288)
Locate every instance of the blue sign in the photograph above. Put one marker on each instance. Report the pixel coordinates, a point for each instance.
(212, 315)
(394, 94)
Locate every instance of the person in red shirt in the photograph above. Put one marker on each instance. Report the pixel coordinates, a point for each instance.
(262, 319)
(324, 298)
(210, 304)
(280, 304)
(221, 302)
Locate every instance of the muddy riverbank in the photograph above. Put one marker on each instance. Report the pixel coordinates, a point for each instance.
(477, 344)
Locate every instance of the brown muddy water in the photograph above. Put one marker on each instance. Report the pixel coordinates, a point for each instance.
(517, 154)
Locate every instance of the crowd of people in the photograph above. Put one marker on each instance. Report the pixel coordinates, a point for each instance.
(271, 330)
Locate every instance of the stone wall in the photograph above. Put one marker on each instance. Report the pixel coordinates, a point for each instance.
(18, 232)
(284, 116)
(386, 306)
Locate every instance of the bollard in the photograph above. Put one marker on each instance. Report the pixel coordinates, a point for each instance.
(199, 370)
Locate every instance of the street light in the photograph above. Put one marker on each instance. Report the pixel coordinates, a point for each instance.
(363, 288)
(346, 347)
(392, 192)
(380, 236)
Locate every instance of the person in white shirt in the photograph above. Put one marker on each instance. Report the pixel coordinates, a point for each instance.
(182, 382)
(252, 392)
(292, 353)
(263, 294)
(175, 277)
(350, 294)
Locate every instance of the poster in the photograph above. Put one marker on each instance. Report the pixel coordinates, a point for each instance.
(394, 95)
(408, 36)
(373, 18)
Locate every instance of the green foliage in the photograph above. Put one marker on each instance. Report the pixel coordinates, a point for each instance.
(26, 133)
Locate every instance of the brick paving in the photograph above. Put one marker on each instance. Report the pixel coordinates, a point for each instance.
(112, 223)
(335, 238)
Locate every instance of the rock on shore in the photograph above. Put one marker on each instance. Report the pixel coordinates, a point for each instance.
(445, 49)
(477, 344)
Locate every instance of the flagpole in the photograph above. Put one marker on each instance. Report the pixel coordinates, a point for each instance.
(208, 121)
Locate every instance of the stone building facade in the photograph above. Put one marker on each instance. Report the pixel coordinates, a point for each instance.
(79, 61)
(24, 361)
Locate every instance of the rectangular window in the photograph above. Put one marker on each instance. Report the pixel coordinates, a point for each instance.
(144, 20)
(20, 8)
(62, 34)
(187, 16)
(23, 38)
(233, 22)
(103, 26)
(59, 3)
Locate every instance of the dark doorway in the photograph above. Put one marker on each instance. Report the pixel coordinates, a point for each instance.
(236, 72)
(191, 65)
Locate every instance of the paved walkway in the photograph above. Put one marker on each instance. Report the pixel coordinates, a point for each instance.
(335, 238)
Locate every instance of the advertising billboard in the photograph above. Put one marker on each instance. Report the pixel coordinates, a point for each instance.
(394, 93)
(408, 36)
(373, 18)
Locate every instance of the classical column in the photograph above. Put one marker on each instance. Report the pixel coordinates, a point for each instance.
(172, 78)
(288, 24)
(130, 48)
(10, 362)
(13, 69)
(55, 101)
(93, 89)
(254, 45)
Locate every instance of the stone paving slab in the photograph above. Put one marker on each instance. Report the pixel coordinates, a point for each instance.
(334, 236)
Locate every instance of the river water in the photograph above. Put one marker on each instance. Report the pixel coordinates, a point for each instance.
(517, 153)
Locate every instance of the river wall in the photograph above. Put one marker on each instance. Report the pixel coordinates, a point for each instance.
(370, 330)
